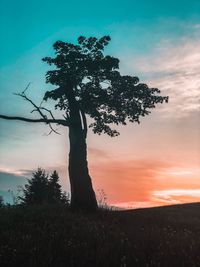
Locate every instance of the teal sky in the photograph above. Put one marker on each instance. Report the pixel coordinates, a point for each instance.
(159, 41)
(24, 24)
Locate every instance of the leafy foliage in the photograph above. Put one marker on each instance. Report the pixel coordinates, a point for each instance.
(98, 87)
(41, 189)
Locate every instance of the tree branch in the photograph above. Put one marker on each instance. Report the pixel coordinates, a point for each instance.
(35, 106)
(38, 109)
(52, 130)
(47, 121)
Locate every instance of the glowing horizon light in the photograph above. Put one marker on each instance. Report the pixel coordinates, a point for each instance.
(177, 192)
(160, 198)
(11, 171)
(135, 204)
(180, 173)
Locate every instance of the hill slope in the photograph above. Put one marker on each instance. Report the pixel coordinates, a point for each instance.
(54, 236)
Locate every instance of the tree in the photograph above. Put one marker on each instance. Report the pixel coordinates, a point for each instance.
(88, 83)
(1, 202)
(42, 189)
(54, 190)
(36, 191)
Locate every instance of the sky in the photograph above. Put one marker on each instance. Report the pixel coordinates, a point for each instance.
(151, 164)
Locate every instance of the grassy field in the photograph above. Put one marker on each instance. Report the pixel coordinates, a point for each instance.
(54, 236)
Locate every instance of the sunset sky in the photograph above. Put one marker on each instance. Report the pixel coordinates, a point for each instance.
(154, 163)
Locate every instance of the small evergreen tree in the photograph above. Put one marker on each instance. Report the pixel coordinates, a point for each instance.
(36, 191)
(54, 190)
(42, 189)
(1, 202)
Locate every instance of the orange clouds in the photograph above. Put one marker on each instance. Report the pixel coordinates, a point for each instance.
(130, 183)
(141, 183)
(176, 196)
(127, 180)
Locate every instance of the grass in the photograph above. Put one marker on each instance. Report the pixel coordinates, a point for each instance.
(54, 236)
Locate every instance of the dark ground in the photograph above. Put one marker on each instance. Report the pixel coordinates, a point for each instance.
(54, 236)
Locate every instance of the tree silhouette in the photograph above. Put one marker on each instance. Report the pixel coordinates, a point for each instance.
(1, 202)
(36, 191)
(88, 83)
(42, 189)
(55, 194)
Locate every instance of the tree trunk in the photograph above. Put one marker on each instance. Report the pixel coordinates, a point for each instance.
(82, 194)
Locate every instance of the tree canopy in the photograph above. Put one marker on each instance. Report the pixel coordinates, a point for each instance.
(98, 87)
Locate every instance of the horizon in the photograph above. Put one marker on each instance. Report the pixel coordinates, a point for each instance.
(154, 163)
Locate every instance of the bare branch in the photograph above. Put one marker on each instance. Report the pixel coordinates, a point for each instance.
(38, 109)
(48, 110)
(66, 116)
(35, 106)
(48, 133)
(41, 102)
(44, 109)
(47, 121)
(26, 88)
(53, 130)
(44, 118)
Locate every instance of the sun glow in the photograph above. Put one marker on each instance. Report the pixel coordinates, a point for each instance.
(177, 193)
(12, 171)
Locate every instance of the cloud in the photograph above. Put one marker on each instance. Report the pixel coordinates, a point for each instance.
(11, 180)
(175, 196)
(133, 183)
(99, 153)
(61, 169)
(127, 180)
(63, 175)
(173, 66)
